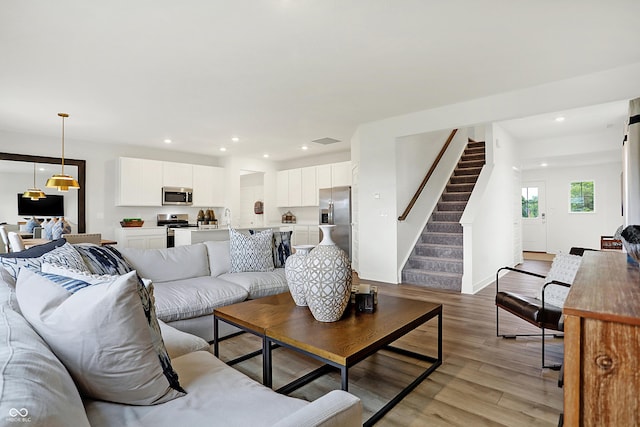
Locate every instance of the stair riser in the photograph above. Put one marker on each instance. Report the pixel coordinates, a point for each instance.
(433, 281)
(473, 157)
(463, 179)
(460, 188)
(455, 197)
(451, 206)
(471, 164)
(446, 216)
(435, 266)
(475, 146)
(442, 239)
(444, 227)
(439, 251)
(467, 171)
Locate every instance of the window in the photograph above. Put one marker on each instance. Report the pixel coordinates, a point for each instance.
(530, 202)
(582, 197)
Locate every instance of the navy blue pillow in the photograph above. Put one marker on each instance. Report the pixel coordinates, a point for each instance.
(36, 251)
(103, 259)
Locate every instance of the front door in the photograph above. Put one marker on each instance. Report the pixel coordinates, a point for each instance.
(534, 222)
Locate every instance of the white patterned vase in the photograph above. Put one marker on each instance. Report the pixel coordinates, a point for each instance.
(328, 279)
(295, 270)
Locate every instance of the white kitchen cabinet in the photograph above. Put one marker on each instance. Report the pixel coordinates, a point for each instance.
(282, 188)
(340, 174)
(208, 186)
(142, 237)
(323, 176)
(295, 187)
(139, 182)
(289, 188)
(309, 186)
(305, 235)
(177, 175)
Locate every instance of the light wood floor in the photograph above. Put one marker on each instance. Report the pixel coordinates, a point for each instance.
(483, 381)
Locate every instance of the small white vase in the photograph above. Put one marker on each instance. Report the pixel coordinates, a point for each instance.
(295, 270)
(327, 279)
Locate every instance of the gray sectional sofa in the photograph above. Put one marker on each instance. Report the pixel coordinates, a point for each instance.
(191, 281)
(38, 388)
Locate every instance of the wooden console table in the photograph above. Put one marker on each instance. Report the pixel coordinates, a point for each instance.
(602, 343)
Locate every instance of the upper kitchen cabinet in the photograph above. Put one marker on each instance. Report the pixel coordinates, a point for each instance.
(208, 186)
(309, 186)
(289, 188)
(323, 176)
(340, 174)
(177, 175)
(139, 182)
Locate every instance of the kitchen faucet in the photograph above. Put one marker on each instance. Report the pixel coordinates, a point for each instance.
(227, 215)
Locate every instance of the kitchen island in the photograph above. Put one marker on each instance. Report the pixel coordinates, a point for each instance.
(189, 236)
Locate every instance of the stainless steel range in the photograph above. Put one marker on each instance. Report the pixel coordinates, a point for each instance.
(171, 222)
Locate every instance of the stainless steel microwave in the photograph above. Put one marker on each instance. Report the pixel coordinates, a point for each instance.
(177, 196)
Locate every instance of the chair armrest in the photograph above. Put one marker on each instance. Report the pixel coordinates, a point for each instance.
(335, 409)
(529, 273)
(553, 282)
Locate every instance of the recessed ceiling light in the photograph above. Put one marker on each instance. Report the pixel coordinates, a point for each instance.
(167, 141)
(304, 147)
(266, 156)
(235, 139)
(559, 119)
(544, 165)
(223, 149)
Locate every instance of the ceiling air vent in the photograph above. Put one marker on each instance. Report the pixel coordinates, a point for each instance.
(326, 141)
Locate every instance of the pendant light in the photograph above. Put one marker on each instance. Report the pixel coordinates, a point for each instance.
(34, 192)
(61, 181)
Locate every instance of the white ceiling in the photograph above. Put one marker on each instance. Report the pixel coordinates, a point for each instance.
(280, 73)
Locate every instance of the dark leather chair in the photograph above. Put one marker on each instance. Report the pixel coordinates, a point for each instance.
(532, 310)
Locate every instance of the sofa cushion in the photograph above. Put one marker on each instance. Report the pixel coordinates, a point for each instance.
(65, 256)
(30, 258)
(199, 296)
(219, 258)
(169, 264)
(35, 387)
(103, 259)
(250, 252)
(217, 395)
(179, 343)
(259, 284)
(102, 334)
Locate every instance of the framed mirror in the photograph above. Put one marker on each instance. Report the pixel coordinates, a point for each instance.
(81, 166)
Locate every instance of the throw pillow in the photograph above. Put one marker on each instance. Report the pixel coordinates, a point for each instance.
(103, 259)
(250, 252)
(281, 247)
(56, 230)
(31, 224)
(47, 225)
(65, 256)
(105, 333)
(30, 258)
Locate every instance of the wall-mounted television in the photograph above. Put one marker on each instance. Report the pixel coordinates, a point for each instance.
(52, 205)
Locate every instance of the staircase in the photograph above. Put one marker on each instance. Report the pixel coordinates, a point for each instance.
(436, 260)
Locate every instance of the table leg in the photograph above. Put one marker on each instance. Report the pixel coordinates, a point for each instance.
(344, 375)
(266, 362)
(216, 350)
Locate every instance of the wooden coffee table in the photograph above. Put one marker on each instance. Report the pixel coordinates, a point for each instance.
(340, 345)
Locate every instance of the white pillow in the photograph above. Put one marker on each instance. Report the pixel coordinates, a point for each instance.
(102, 333)
(179, 343)
(219, 260)
(65, 256)
(250, 252)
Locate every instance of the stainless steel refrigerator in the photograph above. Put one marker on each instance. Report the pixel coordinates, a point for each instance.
(335, 208)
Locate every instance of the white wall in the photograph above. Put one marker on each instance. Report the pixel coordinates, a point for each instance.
(373, 147)
(490, 219)
(565, 229)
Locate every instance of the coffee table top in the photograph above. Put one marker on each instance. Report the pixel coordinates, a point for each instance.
(346, 341)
